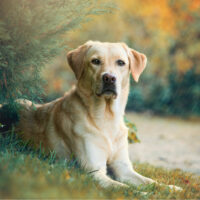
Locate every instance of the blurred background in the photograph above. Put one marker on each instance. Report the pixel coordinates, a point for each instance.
(164, 105)
(168, 32)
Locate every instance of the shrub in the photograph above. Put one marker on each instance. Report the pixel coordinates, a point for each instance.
(31, 34)
(178, 95)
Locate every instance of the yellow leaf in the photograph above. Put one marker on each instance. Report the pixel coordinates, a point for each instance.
(67, 176)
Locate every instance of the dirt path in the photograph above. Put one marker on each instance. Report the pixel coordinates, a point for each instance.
(167, 142)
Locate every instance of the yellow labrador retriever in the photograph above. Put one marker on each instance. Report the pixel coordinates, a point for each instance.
(88, 122)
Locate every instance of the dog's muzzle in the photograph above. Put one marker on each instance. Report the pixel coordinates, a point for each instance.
(109, 85)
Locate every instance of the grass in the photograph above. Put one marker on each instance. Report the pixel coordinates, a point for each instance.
(26, 173)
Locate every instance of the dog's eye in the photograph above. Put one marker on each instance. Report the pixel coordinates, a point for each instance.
(120, 62)
(96, 61)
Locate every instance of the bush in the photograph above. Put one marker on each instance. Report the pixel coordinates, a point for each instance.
(31, 34)
(185, 93)
(178, 95)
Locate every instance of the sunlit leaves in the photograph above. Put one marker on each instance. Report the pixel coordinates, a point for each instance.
(132, 130)
(67, 175)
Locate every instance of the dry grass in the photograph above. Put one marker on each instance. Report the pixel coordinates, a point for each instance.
(25, 173)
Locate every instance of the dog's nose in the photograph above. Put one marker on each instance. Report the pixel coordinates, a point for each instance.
(109, 79)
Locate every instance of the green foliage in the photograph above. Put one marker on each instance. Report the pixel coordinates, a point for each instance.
(26, 173)
(170, 84)
(1, 125)
(184, 93)
(178, 95)
(31, 34)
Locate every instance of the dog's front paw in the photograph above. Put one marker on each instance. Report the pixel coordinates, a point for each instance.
(176, 188)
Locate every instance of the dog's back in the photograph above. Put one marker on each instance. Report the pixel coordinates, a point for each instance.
(29, 120)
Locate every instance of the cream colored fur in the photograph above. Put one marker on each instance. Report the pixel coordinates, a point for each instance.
(87, 125)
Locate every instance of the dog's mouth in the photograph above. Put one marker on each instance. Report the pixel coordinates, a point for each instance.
(109, 92)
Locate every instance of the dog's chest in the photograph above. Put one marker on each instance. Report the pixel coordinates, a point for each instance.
(109, 124)
(109, 127)
(109, 132)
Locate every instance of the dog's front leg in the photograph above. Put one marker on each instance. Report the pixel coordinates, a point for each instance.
(93, 159)
(124, 171)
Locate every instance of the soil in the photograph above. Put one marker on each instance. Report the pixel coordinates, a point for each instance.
(168, 142)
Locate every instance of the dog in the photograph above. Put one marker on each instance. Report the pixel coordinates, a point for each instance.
(88, 121)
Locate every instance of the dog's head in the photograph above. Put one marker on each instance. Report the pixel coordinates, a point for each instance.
(103, 69)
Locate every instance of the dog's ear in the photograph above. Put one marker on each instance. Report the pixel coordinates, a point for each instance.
(137, 62)
(75, 59)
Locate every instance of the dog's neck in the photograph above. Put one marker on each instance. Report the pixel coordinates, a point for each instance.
(101, 107)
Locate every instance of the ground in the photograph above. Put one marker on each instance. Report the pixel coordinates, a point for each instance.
(27, 173)
(167, 142)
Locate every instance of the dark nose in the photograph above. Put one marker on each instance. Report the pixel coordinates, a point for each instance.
(109, 79)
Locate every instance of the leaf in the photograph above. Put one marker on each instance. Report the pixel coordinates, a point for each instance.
(1, 125)
(132, 136)
(67, 175)
(186, 181)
